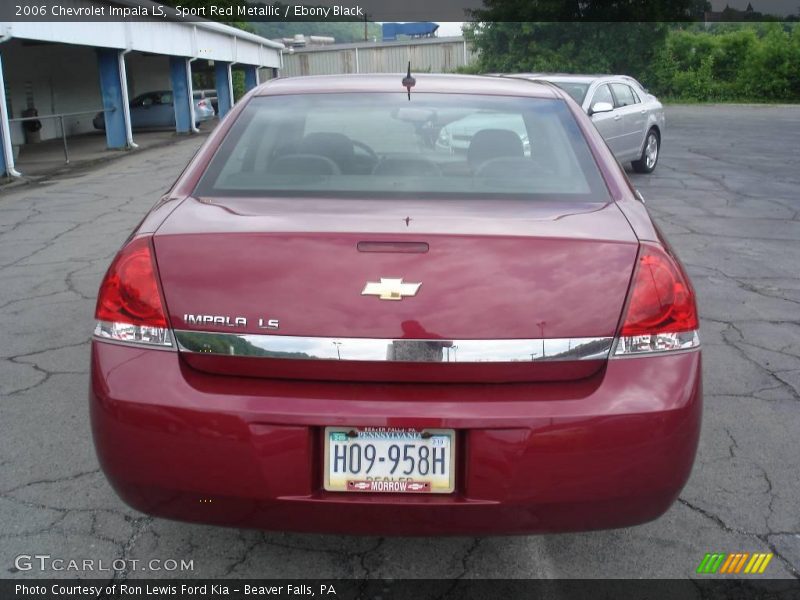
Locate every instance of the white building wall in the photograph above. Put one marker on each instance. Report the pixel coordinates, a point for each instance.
(443, 55)
(100, 34)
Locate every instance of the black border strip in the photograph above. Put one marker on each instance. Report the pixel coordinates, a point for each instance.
(397, 589)
(396, 10)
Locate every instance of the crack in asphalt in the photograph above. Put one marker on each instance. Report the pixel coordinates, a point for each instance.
(473, 547)
(780, 383)
(33, 365)
(734, 445)
(73, 477)
(245, 554)
(139, 524)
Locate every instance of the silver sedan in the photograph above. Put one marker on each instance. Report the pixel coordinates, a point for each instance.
(630, 119)
(155, 110)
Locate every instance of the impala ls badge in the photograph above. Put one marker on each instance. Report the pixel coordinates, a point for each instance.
(390, 289)
(228, 321)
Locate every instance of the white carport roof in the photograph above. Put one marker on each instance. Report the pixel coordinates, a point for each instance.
(196, 39)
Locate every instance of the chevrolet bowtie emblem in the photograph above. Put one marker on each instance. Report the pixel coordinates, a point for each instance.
(390, 289)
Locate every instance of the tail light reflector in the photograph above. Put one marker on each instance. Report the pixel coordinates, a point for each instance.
(661, 313)
(129, 305)
(202, 104)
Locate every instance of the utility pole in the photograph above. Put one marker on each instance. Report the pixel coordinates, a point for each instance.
(541, 325)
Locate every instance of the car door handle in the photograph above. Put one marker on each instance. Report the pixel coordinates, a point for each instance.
(643, 111)
(617, 117)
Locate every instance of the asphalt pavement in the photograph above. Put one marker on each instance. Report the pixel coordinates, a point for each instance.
(725, 193)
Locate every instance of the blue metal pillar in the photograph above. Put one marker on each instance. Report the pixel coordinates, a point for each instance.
(181, 93)
(114, 99)
(222, 75)
(250, 77)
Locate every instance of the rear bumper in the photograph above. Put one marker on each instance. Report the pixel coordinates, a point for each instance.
(608, 451)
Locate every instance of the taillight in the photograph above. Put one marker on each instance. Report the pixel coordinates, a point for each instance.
(129, 306)
(202, 104)
(661, 313)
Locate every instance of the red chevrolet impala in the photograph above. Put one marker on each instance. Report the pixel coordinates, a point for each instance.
(333, 322)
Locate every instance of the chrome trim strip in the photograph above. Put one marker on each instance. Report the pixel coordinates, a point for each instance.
(392, 350)
(110, 342)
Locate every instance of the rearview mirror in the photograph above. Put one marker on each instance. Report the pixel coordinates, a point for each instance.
(601, 107)
(414, 115)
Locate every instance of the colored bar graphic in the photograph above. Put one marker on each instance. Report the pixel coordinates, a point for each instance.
(754, 563)
(718, 562)
(741, 562)
(704, 563)
(728, 564)
(764, 564)
(711, 562)
(735, 562)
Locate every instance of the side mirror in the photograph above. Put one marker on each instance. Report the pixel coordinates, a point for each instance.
(601, 107)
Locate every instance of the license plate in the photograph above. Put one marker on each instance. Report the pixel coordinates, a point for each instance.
(389, 460)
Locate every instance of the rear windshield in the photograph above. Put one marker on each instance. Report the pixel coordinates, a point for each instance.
(383, 145)
(576, 90)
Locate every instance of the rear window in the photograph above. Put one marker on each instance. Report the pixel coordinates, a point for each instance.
(576, 90)
(383, 145)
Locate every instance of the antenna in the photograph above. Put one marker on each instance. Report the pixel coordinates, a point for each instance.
(409, 81)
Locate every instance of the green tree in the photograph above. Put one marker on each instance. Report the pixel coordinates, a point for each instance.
(679, 61)
(591, 36)
(731, 62)
(567, 47)
(772, 71)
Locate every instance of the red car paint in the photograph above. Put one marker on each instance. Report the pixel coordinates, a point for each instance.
(605, 451)
(464, 303)
(540, 447)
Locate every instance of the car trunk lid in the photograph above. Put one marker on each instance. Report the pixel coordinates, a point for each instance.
(304, 289)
